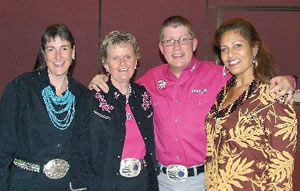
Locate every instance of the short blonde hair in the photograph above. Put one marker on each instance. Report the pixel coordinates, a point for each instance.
(176, 21)
(117, 38)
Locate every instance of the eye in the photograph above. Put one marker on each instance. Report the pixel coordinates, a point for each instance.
(238, 46)
(223, 49)
(49, 49)
(183, 39)
(127, 57)
(169, 41)
(115, 58)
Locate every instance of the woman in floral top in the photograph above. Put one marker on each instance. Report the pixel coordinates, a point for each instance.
(251, 136)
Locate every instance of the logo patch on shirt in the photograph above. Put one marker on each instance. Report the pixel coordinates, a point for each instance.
(161, 84)
(201, 91)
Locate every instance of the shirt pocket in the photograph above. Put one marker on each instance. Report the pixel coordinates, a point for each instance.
(101, 115)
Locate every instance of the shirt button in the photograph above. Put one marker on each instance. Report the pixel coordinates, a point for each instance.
(139, 122)
(58, 145)
(176, 139)
(119, 156)
(200, 103)
(175, 120)
(151, 153)
(178, 83)
(145, 138)
(176, 101)
(117, 173)
(177, 157)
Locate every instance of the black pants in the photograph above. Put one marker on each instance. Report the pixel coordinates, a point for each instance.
(139, 183)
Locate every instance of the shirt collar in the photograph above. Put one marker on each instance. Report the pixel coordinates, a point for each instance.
(189, 69)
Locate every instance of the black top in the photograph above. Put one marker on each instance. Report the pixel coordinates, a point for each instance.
(26, 131)
(106, 124)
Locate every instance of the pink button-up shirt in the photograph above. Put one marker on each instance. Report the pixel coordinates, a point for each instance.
(180, 106)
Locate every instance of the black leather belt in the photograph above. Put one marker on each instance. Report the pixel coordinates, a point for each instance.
(199, 169)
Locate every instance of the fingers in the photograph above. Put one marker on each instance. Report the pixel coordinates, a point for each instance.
(289, 98)
(281, 93)
(98, 83)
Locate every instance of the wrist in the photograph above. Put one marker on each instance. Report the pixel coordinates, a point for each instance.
(294, 81)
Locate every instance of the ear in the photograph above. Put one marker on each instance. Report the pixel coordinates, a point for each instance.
(195, 42)
(255, 50)
(161, 47)
(136, 62)
(105, 65)
(73, 51)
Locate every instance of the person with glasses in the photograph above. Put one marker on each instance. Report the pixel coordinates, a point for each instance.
(182, 93)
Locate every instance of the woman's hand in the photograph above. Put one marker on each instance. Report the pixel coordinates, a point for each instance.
(98, 83)
(283, 86)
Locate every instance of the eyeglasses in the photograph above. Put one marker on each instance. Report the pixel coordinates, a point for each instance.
(181, 41)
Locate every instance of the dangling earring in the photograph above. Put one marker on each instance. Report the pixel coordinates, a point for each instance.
(135, 67)
(254, 61)
(73, 57)
(225, 72)
(107, 70)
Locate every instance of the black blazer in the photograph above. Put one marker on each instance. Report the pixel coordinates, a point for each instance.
(103, 143)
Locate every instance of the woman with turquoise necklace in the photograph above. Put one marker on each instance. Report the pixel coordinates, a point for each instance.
(38, 112)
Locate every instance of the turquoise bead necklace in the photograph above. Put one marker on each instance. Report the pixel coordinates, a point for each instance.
(65, 105)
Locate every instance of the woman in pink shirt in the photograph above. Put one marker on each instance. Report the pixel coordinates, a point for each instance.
(120, 142)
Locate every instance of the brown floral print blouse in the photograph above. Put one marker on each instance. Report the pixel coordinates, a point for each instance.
(253, 146)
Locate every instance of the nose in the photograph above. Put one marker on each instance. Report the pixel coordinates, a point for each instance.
(230, 53)
(176, 45)
(58, 55)
(122, 61)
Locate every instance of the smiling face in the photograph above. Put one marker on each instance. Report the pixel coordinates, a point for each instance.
(58, 56)
(178, 56)
(237, 54)
(121, 62)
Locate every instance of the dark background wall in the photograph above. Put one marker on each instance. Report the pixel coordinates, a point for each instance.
(22, 22)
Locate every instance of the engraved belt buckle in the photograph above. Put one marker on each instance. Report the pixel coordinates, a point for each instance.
(177, 173)
(56, 168)
(130, 167)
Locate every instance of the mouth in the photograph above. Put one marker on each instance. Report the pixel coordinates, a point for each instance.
(58, 64)
(123, 69)
(234, 62)
(177, 55)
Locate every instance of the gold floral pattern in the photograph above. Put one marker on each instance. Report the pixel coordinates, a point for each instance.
(253, 147)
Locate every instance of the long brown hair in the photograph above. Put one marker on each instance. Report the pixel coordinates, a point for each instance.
(264, 71)
(52, 31)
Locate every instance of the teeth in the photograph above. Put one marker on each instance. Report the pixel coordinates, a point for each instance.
(58, 63)
(123, 69)
(177, 55)
(234, 62)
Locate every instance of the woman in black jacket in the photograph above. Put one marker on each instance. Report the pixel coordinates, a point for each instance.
(120, 146)
(39, 111)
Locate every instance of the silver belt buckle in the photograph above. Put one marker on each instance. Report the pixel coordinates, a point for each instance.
(130, 167)
(56, 168)
(177, 173)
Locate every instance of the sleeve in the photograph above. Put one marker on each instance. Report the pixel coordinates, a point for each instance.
(8, 131)
(142, 80)
(281, 125)
(79, 147)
